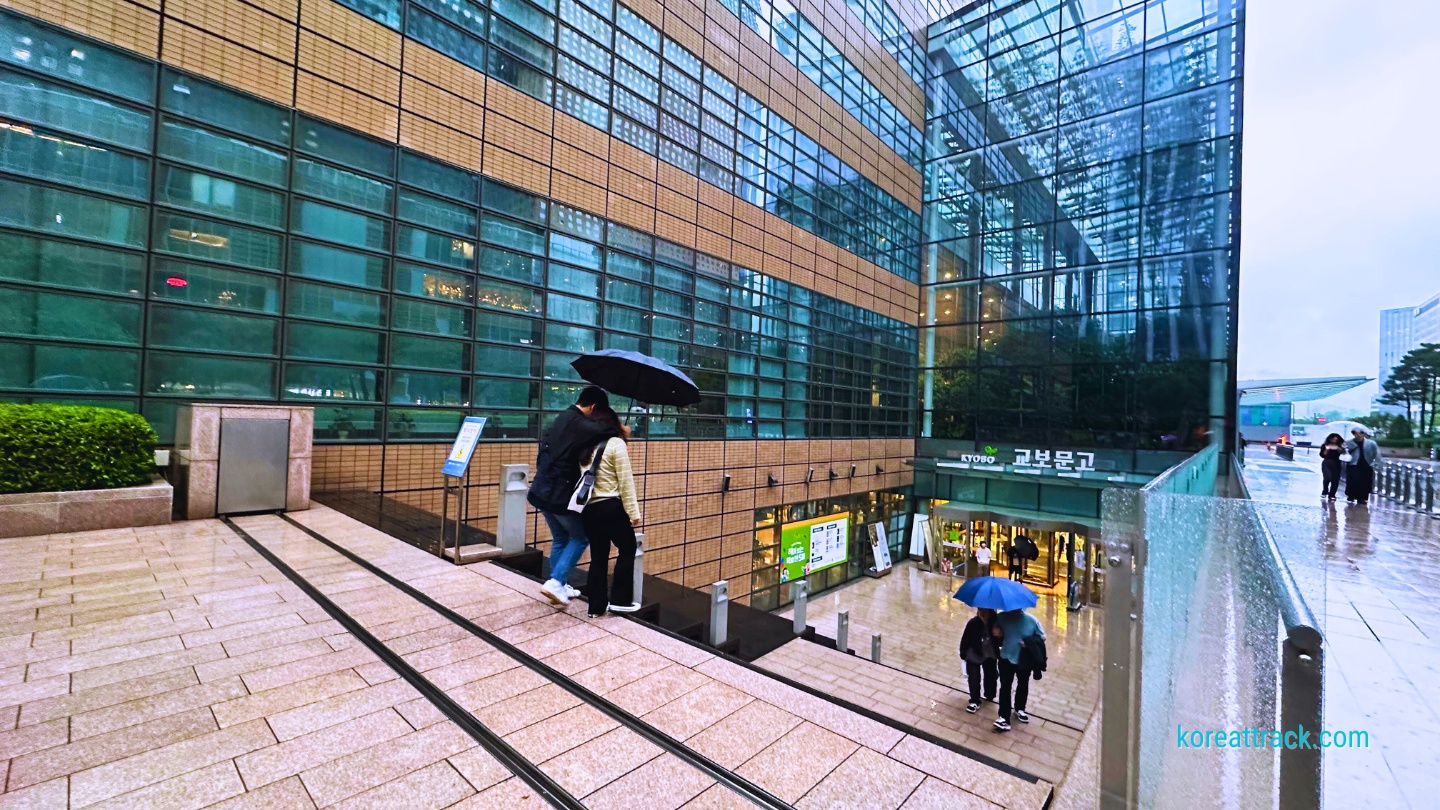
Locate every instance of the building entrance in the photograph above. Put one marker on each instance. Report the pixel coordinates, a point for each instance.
(1068, 552)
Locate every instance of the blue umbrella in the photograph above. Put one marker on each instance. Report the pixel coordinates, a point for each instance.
(996, 593)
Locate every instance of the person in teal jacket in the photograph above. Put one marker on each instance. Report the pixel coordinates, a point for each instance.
(1013, 627)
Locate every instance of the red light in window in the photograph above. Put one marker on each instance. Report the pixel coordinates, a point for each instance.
(176, 281)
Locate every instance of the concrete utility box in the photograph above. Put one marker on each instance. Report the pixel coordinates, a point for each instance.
(510, 514)
(221, 464)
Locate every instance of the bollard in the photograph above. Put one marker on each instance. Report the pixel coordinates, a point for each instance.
(875, 647)
(842, 631)
(639, 568)
(510, 512)
(719, 613)
(800, 594)
(1430, 492)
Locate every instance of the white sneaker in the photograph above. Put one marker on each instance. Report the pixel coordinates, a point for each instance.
(573, 593)
(555, 592)
(630, 608)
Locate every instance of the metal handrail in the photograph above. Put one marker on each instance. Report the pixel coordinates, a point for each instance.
(1294, 611)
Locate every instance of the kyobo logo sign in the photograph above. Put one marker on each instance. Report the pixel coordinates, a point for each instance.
(976, 458)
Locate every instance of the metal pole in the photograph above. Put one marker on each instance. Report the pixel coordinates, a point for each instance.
(719, 613)
(444, 513)
(1301, 699)
(1430, 491)
(800, 594)
(640, 568)
(875, 647)
(842, 631)
(1120, 674)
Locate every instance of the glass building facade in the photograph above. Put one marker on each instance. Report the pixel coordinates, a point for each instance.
(1082, 184)
(164, 239)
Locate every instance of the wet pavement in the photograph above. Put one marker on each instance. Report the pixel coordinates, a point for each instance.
(1382, 633)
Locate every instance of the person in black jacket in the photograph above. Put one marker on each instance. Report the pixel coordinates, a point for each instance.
(979, 651)
(1330, 453)
(557, 470)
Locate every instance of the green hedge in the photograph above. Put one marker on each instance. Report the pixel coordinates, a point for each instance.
(57, 448)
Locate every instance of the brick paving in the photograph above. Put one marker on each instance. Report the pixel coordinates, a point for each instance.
(920, 681)
(173, 667)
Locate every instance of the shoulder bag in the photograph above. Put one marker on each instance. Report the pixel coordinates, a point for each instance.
(586, 485)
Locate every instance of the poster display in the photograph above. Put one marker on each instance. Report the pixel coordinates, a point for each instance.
(464, 446)
(813, 545)
(880, 546)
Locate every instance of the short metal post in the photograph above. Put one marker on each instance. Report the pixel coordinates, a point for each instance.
(510, 511)
(719, 613)
(1430, 491)
(875, 647)
(639, 568)
(1302, 696)
(800, 594)
(842, 631)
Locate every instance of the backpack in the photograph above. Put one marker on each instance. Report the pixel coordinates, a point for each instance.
(1032, 654)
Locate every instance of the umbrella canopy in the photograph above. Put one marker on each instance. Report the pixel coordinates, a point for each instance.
(996, 593)
(638, 376)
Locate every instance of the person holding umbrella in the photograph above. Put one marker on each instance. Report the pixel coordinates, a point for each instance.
(1017, 635)
(611, 516)
(556, 474)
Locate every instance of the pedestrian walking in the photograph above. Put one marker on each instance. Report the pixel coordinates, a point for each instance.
(1330, 465)
(556, 471)
(979, 652)
(982, 558)
(1022, 655)
(1016, 556)
(611, 516)
(1360, 473)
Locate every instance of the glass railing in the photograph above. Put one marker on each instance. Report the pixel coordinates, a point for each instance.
(1209, 629)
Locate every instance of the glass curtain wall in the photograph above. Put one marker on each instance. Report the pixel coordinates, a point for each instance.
(1081, 223)
(164, 240)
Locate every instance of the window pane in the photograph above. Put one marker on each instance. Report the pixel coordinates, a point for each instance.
(47, 50)
(436, 213)
(505, 360)
(49, 156)
(347, 424)
(74, 111)
(510, 265)
(348, 383)
(345, 187)
(334, 304)
(183, 282)
(339, 225)
(64, 264)
(213, 104)
(434, 247)
(64, 212)
(224, 377)
(436, 319)
(410, 424)
(514, 202)
(575, 339)
(565, 308)
(344, 147)
(574, 251)
(33, 313)
(507, 297)
(215, 241)
(310, 341)
(340, 266)
(511, 234)
(223, 153)
(33, 366)
(492, 393)
(506, 329)
(410, 388)
(566, 278)
(419, 352)
(427, 282)
(432, 175)
(214, 195)
(207, 330)
(385, 12)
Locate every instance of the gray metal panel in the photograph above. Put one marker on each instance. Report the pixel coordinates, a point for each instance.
(254, 456)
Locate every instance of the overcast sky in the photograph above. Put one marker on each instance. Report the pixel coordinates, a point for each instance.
(1341, 199)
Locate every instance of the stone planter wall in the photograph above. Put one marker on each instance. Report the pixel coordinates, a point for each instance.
(33, 513)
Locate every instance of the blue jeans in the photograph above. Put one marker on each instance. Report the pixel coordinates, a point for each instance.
(569, 533)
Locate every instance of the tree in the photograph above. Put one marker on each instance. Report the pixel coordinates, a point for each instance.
(1415, 385)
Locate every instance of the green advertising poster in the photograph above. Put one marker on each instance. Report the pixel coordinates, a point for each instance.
(813, 545)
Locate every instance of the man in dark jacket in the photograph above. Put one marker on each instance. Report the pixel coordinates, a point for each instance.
(557, 470)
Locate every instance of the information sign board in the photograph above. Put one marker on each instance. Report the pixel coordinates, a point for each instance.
(813, 545)
(464, 446)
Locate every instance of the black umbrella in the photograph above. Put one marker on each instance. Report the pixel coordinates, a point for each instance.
(637, 376)
(1026, 549)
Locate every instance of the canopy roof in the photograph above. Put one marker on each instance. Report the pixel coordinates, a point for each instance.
(1300, 389)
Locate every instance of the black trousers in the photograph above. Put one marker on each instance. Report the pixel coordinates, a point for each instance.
(607, 524)
(1008, 674)
(1330, 480)
(1359, 482)
(973, 671)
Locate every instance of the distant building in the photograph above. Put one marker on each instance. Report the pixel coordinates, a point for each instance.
(1267, 406)
(1401, 330)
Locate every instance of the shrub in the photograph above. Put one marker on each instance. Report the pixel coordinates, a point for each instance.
(56, 448)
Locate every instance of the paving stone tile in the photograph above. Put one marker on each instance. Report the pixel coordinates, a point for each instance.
(553, 737)
(287, 794)
(512, 794)
(592, 765)
(44, 796)
(196, 789)
(22, 741)
(83, 700)
(429, 788)
(295, 722)
(311, 750)
(657, 689)
(534, 706)
(865, 779)
(744, 733)
(112, 779)
(797, 761)
(306, 668)
(130, 670)
(80, 755)
(20, 693)
(663, 783)
(164, 704)
(696, 711)
(479, 768)
(246, 706)
(363, 770)
(934, 794)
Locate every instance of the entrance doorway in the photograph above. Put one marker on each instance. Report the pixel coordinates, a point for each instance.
(1068, 552)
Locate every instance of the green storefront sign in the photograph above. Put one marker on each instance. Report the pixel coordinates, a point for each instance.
(813, 545)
